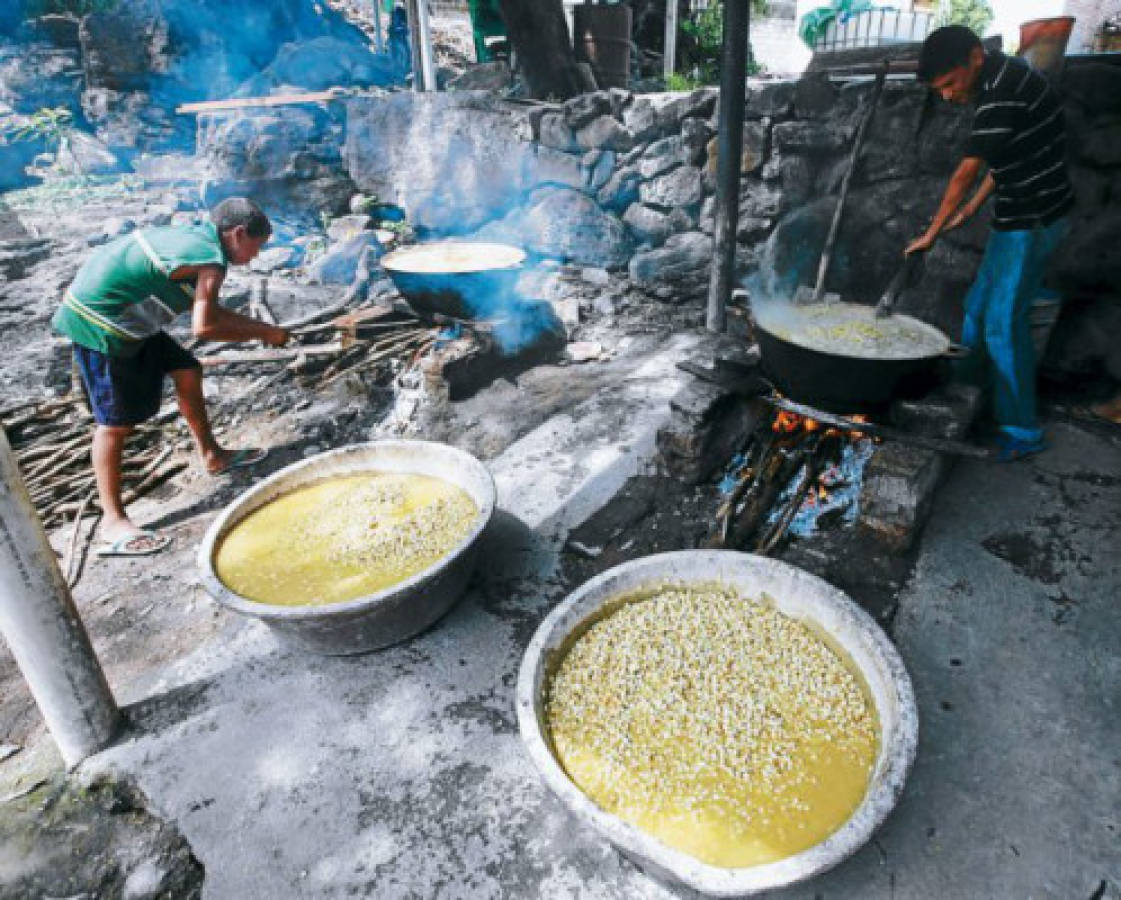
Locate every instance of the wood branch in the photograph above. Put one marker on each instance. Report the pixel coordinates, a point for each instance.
(206, 106)
(68, 560)
(271, 354)
(940, 445)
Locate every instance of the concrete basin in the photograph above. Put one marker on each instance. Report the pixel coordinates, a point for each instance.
(797, 594)
(388, 616)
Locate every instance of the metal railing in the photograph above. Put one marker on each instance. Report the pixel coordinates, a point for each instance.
(874, 28)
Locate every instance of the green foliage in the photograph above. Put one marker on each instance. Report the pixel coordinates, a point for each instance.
(700, 55)
(78, 8)
(50, 125)
(975, 14)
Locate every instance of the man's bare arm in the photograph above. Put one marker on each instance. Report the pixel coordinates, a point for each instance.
(963, 179)
(213, 322)
(969, 210)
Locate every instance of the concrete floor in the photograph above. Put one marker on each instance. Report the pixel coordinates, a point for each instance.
(400, 774)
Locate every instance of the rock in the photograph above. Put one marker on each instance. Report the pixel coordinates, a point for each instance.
(897, 493)
(605, 133)
(699, 104)
(682, 256)
(754, 150)
(1100, 147)
(345, 227)
(555, 167)
(620, 99)
(475, 173)
(35, 76)
(18, 256)
(83, 154)
(942, 138)
(319, 63)
(760, 200)
(1089, 260)
(596, 276)
(768, 99)
(663, 155)
(620, 191)
(706, 221)
(568, 225)
(681, 187)
(585, 108)
(599, 172)
(339, 264)
(360, 204)
(122, 49)
(158, 216)
(814, 137)
(488, 76)
(890, 148)
(115, 227)
(274, 258)
(641, 120)
(695, 134)
(649, 226)
(58, 30)
(814, 96)
(556, 134)
(797, 181)
(750, 229)
(1096, 87)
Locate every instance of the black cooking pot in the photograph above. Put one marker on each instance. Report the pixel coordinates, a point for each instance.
(465, 280)
(841, 383)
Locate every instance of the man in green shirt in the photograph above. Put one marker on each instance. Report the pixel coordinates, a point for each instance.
(115, 311)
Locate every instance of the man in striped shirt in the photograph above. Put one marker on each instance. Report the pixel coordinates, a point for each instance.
(115, 311)
(1019, 135)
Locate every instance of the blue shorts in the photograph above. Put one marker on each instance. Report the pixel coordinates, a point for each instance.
(124, 391)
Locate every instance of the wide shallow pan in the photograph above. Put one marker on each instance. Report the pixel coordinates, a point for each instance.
(845, 382)
(462, 279)
(390, 615)
(797, 594)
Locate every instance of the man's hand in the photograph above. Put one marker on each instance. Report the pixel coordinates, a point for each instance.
(920, 244)
(274, 335)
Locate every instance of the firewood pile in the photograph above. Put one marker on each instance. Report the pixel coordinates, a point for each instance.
(51, 441)
(782, 462)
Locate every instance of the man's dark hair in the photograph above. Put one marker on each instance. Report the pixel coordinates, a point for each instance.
(945, 49)
(241, 211)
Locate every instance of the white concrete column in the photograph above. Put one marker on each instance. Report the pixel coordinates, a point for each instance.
(42, 628)
(669, 54)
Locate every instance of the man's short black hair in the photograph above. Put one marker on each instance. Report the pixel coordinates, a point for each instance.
(241, 211)
(945, 49)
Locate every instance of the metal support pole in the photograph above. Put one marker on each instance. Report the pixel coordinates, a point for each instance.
(43, 630)
(379, 36)
(420, 31)
(669, 55)
(733, 90)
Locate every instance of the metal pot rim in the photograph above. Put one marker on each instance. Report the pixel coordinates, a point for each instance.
(237, 509)
(397, 260)
(910, 320)
(860, 637)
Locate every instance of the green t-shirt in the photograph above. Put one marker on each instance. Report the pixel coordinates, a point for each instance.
(122, 294)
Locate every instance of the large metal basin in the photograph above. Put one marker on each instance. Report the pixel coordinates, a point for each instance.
(475, 281)
(388, 616)
(797, 594)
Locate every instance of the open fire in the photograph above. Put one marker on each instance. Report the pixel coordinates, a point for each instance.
(797, 473)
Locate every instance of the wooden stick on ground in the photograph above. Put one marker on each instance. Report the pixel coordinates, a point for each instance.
(68, 562)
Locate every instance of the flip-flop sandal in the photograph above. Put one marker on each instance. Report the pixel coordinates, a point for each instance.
(246, 456)
(122, 545)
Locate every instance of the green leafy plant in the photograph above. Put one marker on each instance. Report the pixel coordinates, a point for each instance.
(974, 14)
(51, 125)
(700, 54)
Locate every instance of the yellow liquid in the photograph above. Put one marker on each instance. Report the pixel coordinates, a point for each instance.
(343, 538)
(719, 750)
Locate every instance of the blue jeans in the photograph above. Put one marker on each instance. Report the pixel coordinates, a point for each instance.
(997, 327)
